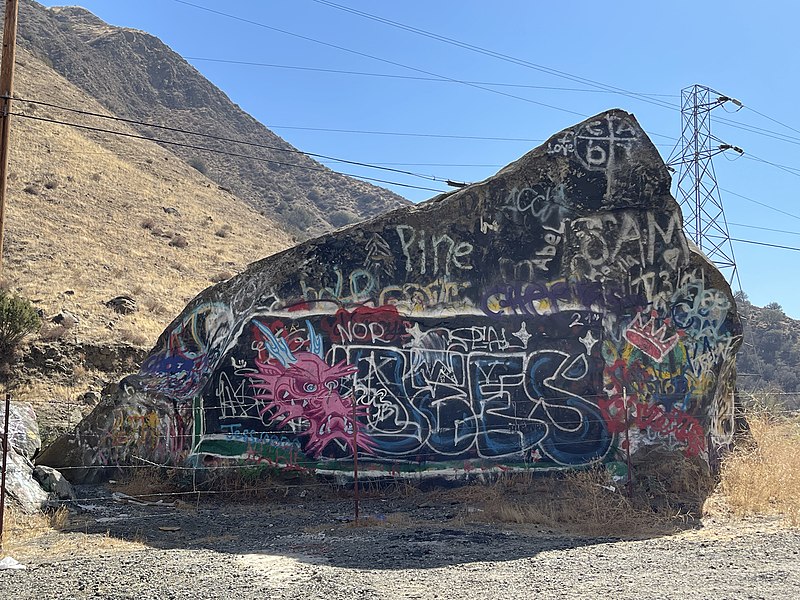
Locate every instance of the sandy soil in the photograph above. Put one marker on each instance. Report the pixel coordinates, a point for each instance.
(298, 547)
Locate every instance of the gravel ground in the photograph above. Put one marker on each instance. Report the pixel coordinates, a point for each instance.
(302, 547)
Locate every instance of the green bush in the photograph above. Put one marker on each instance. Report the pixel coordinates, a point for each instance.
(198, 164)
(300, 218)
(340, 218)
(18, 318)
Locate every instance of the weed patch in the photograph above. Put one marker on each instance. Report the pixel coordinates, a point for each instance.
(583, 502)
(762, 476)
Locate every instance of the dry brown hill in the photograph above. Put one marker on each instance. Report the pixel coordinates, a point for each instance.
(87, 220)
(137, 76)
(92, 215)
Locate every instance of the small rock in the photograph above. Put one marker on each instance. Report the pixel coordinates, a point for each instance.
(20, 485)
(91, 398)
(179, 241)
(171, 211)
(75, 416)
(54, 482)
(65, 318)
(124, 304)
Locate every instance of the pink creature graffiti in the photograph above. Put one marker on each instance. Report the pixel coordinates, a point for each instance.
(300, 386)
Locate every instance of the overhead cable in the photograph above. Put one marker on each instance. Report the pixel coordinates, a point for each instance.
(223, 152)
(492, 53)
(377, 58)
(408, 77)
(227, 139)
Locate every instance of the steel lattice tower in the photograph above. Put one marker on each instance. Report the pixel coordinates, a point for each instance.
(698, 192)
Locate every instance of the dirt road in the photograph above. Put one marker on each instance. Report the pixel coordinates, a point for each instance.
(303, 548)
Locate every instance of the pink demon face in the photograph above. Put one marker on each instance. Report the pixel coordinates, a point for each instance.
(306, 390)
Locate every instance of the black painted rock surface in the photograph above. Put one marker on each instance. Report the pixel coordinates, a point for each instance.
(524, 322)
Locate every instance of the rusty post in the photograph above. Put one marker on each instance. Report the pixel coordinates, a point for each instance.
(629, 483)
(3, 477)
(355, 460)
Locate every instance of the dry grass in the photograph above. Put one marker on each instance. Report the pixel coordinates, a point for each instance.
(150, 484)
(22, 526)
(585, 503)
(19, 528)
(77, 200)
(762, 476)
(29, 537)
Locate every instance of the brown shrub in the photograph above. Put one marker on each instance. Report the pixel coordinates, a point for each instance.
(179, 241)
(763, 475)
(582, 502)
(50, 333)
(154, 306)
(133, 337)
(221, 276)
(146, 483)
(148, 223)
(224, 231)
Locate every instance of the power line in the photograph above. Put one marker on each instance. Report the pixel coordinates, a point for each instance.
(757, 243)
(492, 53)
(384, 166)
(373, 57)
(494, 166)
(778, 210)
(765, 228)
(374, 165)
(206, 149)
(223, 152)
(791, 170)
(409, 77)
(408, 134)
(744, 126)
(751, 109)
(555, 72)
(226, 139)
(760, 131)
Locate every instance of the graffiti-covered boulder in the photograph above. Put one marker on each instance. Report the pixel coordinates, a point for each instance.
(23, 444)
(535, 320)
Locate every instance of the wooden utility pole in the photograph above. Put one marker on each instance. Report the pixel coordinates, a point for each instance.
(6, 90)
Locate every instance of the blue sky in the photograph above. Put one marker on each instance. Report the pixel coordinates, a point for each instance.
(642, 47)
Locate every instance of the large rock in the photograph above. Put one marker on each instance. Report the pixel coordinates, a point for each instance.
(23, 429)
(54, 483)
(21, 487)
(534, 320)
(23, 444)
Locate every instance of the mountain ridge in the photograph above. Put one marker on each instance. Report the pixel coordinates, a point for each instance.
(136, 76)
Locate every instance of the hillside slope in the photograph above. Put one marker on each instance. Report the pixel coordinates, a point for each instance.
(769, 358)
(92, 216)
(137, 76)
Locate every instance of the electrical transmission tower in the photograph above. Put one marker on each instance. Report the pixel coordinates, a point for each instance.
(698, 192)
